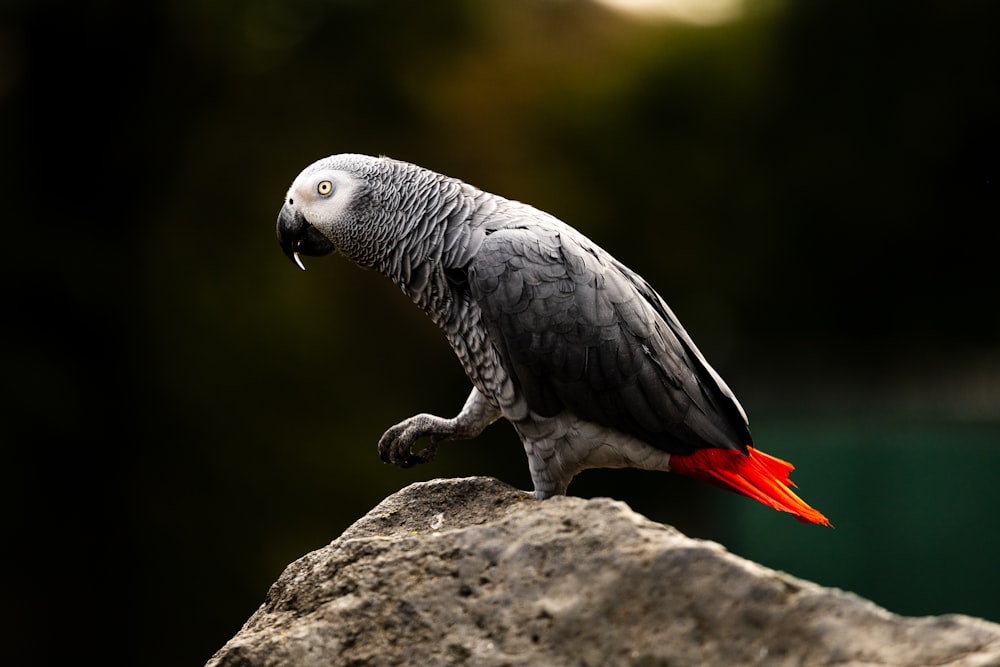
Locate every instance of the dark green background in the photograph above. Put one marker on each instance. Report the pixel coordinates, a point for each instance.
(813, 188)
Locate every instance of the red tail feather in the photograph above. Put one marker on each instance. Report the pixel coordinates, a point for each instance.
(758, 475)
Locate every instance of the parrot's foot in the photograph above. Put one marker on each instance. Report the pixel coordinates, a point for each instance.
(547, 489)
(396, 445)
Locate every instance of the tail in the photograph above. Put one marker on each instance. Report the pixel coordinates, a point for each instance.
(755, 474)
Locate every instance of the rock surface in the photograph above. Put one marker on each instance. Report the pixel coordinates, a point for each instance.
(473, 572)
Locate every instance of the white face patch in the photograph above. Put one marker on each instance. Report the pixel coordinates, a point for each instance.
(322, 196)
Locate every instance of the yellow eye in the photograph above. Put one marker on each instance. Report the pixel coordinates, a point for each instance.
(324, 188)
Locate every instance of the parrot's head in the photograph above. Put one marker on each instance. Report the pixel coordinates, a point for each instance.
(324, 209)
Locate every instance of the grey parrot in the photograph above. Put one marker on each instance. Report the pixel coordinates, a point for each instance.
(577, 351)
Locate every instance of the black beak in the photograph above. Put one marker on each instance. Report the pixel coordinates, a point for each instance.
(297, 237)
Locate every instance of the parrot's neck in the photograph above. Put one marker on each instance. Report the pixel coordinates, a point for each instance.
(427, 259)
(430, 263)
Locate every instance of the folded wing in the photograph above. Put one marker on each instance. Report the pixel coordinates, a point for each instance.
(579, 331)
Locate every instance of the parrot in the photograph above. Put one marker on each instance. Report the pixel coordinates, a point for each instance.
(577, 351)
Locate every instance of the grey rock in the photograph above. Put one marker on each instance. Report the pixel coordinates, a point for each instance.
(473, 572)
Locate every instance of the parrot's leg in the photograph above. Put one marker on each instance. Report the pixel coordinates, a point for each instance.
(562, 446)
(396, 444)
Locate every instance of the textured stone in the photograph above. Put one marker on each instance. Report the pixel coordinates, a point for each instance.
(473, 572)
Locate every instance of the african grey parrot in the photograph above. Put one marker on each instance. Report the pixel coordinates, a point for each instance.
(576, 350)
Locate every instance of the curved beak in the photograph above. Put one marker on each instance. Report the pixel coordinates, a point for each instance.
(297, 237)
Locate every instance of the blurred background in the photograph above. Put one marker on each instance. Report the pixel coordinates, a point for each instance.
(812, 186)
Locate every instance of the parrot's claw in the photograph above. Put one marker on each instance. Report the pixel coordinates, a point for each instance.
(396, 446)
(404, 457)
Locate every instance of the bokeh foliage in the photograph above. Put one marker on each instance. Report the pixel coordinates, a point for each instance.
(812, 187)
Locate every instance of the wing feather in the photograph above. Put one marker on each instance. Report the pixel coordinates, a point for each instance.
(579, 331)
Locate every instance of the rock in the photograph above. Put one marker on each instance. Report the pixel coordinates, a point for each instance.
(473, 572)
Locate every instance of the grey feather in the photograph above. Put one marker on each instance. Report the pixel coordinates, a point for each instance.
(576, 350)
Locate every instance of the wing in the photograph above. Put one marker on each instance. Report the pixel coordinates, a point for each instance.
(578, 330)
